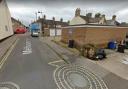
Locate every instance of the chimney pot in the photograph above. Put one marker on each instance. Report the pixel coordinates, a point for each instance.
(77, 12)
(53, 18)
(44, 16)
(61, 20)
(114, 17)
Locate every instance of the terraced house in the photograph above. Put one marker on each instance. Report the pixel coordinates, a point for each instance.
(51, 27)
(5, 20)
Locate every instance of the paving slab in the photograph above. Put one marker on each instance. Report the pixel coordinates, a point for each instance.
(6, 44)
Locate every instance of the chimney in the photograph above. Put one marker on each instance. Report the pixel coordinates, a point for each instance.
(77, 12)
(44, 16)
(53, 18)
(103, 20)
(61, 20)
(68, 22)
(39, 18)
(114, 17)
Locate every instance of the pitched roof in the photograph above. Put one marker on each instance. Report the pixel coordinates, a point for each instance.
(51, 22)
(90, 20)
(124, 24)
(112, 22)
(15, 20)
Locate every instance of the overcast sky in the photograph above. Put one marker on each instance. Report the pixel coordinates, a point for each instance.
(24, 10)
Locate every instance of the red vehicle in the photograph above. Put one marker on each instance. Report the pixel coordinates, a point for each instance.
(20, 30)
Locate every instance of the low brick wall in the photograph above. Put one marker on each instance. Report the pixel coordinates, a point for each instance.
(98, 35)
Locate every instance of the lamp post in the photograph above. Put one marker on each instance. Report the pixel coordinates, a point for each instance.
(36, 16)
(40, 12)
(54, 25)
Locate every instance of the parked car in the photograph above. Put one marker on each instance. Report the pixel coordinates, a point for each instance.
(20, 30)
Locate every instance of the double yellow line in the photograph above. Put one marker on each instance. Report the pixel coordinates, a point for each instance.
(2, 62)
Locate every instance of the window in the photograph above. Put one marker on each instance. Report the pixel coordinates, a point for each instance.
(6, 28)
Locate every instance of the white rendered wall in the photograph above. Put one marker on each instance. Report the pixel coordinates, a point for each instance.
(77, 20)
(5, 21)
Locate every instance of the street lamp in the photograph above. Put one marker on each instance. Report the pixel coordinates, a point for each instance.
(41, 13)
(36, 16)
(54, 24)
(36, 13)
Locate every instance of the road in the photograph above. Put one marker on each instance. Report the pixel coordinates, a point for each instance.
(27, 66)
(32, 64)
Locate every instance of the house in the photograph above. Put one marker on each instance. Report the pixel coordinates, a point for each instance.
(81, 19)
(16, 24)
(51, 27)
(88, 19)
(112, 21)
(5, 20)
(124, 24)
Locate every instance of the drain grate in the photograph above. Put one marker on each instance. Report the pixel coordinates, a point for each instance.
(9, 85)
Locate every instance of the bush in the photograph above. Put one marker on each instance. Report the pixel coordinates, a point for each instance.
(89, 50)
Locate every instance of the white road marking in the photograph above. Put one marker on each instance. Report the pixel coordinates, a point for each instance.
(125, 60)
(60, 81)
(9, 83)
(7, 55)
(28, 48)
(53, 63)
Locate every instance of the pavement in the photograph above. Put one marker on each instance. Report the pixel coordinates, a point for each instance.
(6, 44)
(116, 63)
(112, 79)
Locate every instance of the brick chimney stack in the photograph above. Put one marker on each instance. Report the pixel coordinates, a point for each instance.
(53, 18)
(61, 20)
(103, 20)
(38, 17)
(114, 17)
(77, 12)
(44, 16)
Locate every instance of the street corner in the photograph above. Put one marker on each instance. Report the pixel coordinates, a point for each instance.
(77, 77)
(9, 85)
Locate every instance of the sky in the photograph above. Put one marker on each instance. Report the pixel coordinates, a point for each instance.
(25, 10)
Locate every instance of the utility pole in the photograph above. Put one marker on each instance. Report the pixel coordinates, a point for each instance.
(41, 13)
(36, 16)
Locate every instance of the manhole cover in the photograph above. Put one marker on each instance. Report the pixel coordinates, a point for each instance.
(9, 85)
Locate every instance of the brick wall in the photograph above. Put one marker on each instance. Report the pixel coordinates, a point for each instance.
(95, 35)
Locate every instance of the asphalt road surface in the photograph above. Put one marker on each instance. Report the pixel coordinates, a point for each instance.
(27, 66)
(32, 64)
